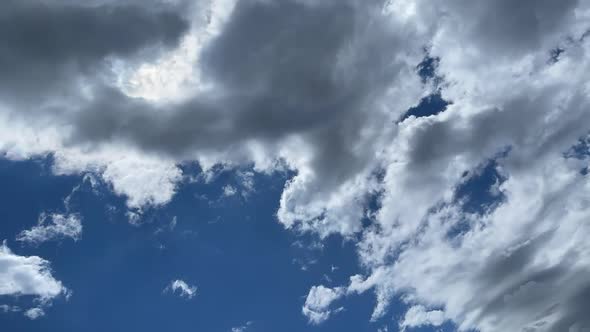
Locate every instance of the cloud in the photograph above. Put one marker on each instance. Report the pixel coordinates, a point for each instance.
(53, 227)
(229, 191)
(318, 88)
(184, 289)
(34, 313)
(503, 270)
(45, 83)
(27, 275)
(9, 308)
(82, 37)
(418, 316)
(317, 307)
(242, 110)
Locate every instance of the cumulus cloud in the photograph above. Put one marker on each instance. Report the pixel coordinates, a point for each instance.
(27, 275)
(53, 227)
(181, 288)
(319, 88)
(317, 306)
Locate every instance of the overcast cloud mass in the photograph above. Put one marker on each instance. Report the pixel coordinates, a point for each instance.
(128, 90)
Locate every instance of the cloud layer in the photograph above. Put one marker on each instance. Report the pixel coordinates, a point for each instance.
(319, 88)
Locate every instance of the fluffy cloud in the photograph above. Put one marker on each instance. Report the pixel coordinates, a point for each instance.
(27, 275)
(319, 88)
(182, 288)
(53, 227)
(317, 306)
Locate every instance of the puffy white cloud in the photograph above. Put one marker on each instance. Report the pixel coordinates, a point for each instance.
(53, 227)
(317, 306)
(27, 275)
(182, 288)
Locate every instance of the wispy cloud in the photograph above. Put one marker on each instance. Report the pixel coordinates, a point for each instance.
(242, 328)
(53, 227)
(181, 288)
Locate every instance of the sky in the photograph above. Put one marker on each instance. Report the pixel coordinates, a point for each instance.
(294, 165)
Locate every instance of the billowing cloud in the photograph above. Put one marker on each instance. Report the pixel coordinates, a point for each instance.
(319, 88)
(53, 227)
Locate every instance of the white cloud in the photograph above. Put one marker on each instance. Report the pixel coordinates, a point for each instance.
(27, 275)
(229, 191)
(53, 227)
(317, 306)
(418, 316)
(34, 313)
(182, 288)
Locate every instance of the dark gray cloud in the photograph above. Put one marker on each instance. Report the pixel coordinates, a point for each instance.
(45, 45)
(280, 68)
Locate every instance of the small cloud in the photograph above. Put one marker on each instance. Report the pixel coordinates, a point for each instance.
(242, 328)
(247, 181)
(34, 313)
(53, 227)
(9, 308)
(229, 191)
(173, 223)
(418, 316)
(170, 227)
(181, 288)
(318, 302)
(134, 218)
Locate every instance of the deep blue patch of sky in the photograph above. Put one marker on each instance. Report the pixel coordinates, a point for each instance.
(429, 105)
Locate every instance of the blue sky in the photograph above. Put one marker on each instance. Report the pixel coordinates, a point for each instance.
(246, 266)
(294, 165)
